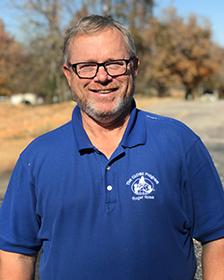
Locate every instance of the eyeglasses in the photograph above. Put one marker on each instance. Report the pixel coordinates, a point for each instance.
(114, 68)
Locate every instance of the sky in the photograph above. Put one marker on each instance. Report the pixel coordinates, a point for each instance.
(212, 10)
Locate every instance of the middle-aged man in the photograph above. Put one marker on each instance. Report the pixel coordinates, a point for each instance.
(116, 193)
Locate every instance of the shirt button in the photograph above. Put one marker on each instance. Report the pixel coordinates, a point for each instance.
(109, 188)
(108, 167)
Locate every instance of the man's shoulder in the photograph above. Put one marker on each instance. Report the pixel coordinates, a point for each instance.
(166, 127)
(53, 140)
(163, 122)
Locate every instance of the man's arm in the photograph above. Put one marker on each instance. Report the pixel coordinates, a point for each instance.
(15, 266)
(213, 260)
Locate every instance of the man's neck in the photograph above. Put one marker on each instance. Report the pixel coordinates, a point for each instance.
(105, 136)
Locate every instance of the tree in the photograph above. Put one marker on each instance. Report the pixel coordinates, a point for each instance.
(46, 22)
(11, 55)
(216, 81)
(135, 14)
(179, 53)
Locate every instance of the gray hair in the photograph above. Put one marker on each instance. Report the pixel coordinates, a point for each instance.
(95, 23)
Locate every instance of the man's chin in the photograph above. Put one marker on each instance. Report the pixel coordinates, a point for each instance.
(107, 114)
(102, 115)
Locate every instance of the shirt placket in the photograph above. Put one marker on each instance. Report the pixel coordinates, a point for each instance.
(109, 180)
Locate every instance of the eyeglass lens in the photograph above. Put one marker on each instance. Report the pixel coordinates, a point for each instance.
(89, 70)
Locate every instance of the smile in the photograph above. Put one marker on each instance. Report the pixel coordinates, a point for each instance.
(104, 91)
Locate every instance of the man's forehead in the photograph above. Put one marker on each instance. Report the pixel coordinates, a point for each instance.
(108, 41)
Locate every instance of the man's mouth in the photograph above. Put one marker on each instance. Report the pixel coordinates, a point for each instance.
(104, 91)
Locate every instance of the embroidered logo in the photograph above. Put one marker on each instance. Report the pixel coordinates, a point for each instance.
(143, 185)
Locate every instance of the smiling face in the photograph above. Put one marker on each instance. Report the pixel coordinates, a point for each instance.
(103, 98)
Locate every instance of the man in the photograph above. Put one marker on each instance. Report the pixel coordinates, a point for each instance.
(117, 193)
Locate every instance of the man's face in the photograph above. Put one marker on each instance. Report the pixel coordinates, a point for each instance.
(103, 98)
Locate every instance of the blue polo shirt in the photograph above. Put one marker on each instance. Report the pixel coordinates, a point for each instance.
(130, 217)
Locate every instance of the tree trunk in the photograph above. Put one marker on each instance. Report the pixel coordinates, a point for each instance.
(188, 94)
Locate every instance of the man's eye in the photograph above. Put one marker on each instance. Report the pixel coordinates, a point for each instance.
(86, 67)
(115, 64)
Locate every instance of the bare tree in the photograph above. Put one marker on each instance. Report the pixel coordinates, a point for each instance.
(45, 22)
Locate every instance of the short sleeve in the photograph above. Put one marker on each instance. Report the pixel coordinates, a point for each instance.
(207, 194)
(19, 224)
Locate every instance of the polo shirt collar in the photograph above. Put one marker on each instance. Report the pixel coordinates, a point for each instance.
(82, 140)
(135, 133)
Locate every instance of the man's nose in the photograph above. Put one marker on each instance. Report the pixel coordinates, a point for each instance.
(102, 75)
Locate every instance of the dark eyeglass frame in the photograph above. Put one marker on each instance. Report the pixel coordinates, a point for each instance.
(73, 66)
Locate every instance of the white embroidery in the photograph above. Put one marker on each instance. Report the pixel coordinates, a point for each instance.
(152, 117)
(142, 185)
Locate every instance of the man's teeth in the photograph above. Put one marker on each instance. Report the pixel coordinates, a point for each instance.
(103, 91)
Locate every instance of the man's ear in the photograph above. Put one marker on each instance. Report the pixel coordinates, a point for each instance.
(67, 73)
(136, 63)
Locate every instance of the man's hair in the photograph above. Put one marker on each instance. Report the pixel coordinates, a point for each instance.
(94, 23)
